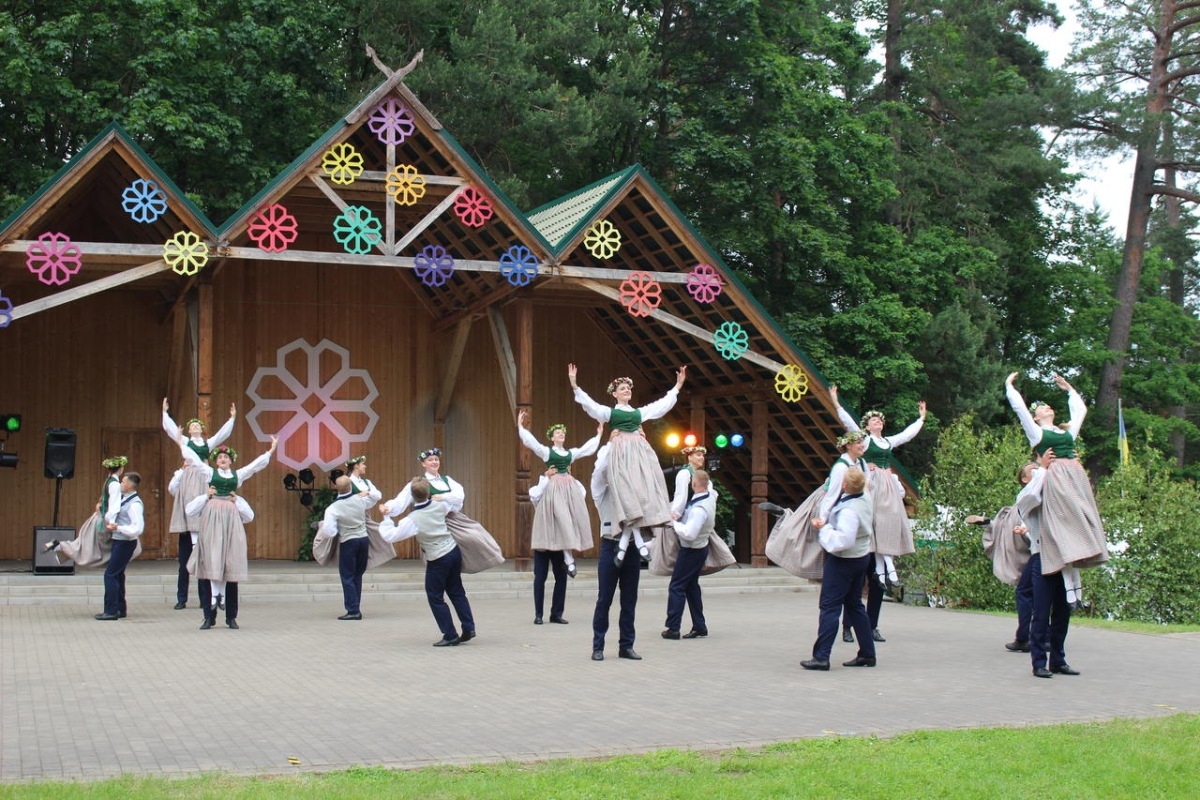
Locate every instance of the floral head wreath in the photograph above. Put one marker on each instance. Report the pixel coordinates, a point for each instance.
(558, 426)
(354, 462)
(687, 451)
(226, 449)
(870, 415)
(114, 462)
(853, 437)
(612, 387)
(433, 451)
(1035, 405)
(196, 420)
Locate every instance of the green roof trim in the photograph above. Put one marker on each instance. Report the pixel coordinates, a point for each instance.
(147, 162)
(560, 220)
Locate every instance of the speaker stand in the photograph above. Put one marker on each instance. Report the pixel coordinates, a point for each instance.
(57, 493)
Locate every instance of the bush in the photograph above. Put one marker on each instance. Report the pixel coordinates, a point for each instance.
(316, 512)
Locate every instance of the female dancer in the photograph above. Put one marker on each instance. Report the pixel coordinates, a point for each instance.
(638, 494)
(221, 556)
(380, 552)
(192, 484)
(893, 532)
(93, 544)
(560, 521)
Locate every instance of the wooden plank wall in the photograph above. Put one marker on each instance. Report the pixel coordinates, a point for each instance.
(106, 361)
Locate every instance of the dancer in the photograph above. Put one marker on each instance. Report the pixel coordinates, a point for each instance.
(92, 545)
(346, 519)
(379, 552)
(443, 557)
(126, 530)
(893, 531)
(695, 458)
(192, 484)
(639, 496)
(694, 531)
(560, 518)
(221, 554)
(611, 572)
(666, 548)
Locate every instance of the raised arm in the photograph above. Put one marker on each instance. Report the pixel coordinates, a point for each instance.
(908, 434)
(528, 439)
(1033, 431)
(168, 424)
(842, 414)
(589, 447)
(226, 429)
(257, 465)
(1075, 406)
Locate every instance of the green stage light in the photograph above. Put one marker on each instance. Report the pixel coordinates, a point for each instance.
(10, 422)
(720, 440)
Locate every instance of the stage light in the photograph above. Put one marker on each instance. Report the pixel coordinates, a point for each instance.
(720, 440)
(737, 440)
(10, 423)
(289, 482)
(689, 440)
(672, 440)
(307, 477)
(306, 498)
(8, 460)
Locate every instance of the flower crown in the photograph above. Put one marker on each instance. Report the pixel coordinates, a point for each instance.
(114, 462)
(870, 415)
(354, 462)
(687, 451)
(196, 420)
(226, 449)
(558, 426)
(1035, 405)
(612, 387)
(853, 437)
(433, 451)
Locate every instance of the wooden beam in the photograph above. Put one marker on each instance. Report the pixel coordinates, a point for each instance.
(524, 401)
(759, 524)
(504, 354)
(88, 289)
(476, 309)
(204, 377)
(342, 205)
(450, 377)
(427, 220)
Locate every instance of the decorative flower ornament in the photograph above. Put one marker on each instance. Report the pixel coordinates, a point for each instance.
(391, 122)
(731, 341)
(273, 229)
(640, 293)
(433, 451)
(870, 415)
(602, 239)
(615, 382)
(53, 258)
(357, 230)
(405, 185)
(791, 383)
(433, 265)
(518, 265)
(342, 163)
(144, 201)
(6, 308)
(473, 208)
(851, 437)
(222, 450)
(558, 426)
(704, 284)
(185, 253)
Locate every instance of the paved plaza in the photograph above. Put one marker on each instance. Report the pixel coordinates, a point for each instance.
(295, 689)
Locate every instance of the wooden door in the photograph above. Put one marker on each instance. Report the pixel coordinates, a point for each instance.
(143, 448)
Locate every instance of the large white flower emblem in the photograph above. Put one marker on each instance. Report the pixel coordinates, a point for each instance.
(314, 402)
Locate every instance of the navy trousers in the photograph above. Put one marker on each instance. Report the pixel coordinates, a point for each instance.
(543, 562)
(206, 599)
(841, 588)
(1024, 593)
(1051, 616)
(685, 588)
(114, 576)
(352, 563)
(443, 578)
(609, 576)
(874, 598)
(185, 553)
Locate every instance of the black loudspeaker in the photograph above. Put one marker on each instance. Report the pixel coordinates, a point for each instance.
(60, 453)
(45, 563)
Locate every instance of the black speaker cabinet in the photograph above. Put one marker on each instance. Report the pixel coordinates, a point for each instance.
(60, 453)
(45, 563)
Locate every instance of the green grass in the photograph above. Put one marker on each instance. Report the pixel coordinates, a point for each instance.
(1152, 758)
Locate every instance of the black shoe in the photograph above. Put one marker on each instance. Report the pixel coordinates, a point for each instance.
(1064, 669)
(50, 545)
(859, 661)
(221, 602)
(1017, 646)
(232, 623)
(467, 636)
(180, 605)
(444, 642)
(670, 634)
(122, 614)
(771, 508)
(107, 617)
(847, 635)
(355, 615)
(572, 571)
(597, 655)
(1042, 672)
(537, 620)
(627, 652)
(559, 621)
(208, 623)
(816, 663)
(696, 633)
(877, 636)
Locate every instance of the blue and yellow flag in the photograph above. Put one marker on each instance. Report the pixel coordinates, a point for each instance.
(1122, 439)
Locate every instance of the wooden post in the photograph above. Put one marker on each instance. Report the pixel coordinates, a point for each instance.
(204, 356)
(524, 508)
(759, 524)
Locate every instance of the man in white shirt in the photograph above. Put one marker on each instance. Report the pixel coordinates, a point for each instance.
(125, 526)
(693, 530)
(346, 518)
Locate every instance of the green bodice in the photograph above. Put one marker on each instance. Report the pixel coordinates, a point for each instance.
(224, 486)
(560, 461)
(1061, 442)
(879, 456)
(625, 421)
(201, 450)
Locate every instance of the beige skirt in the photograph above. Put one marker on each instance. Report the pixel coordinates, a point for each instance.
(379, 551)
(1072, 534)
(892, 530)
(560, 520)
(1009, 553)
(664, 552)
(479, 548)
(793, 542)
(637, 490)
(92, 545)
(192, 484)
(220, 553)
